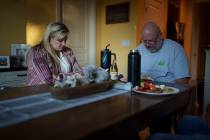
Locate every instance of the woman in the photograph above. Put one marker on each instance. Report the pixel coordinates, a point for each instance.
(51, 57)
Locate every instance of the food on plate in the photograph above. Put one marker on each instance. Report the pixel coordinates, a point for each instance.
(147, 86)
(168, 90)
(146, 78)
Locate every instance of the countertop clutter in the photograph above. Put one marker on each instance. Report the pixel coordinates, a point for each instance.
(13, 77)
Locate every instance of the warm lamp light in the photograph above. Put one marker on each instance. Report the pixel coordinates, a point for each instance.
(34, 33)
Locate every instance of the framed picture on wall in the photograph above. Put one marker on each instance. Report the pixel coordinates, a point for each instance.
(117, 13)
(20, 50)
(4, 62)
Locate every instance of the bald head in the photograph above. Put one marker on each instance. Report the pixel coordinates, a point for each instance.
(150, 30)
(152, 37)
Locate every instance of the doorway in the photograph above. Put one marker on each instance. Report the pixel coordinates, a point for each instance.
(80, 17)
(200, 41)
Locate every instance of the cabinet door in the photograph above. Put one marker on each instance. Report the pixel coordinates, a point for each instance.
(156, 10)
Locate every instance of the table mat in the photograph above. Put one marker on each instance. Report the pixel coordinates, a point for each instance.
(21, 109)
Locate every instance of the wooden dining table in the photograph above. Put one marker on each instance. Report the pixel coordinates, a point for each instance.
(103, 119)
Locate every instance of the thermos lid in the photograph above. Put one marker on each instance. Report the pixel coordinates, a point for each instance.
(133, 50)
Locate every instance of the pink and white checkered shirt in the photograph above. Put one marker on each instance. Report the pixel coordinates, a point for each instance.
(40, 66)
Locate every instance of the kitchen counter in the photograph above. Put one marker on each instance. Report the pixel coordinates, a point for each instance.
(12, 69)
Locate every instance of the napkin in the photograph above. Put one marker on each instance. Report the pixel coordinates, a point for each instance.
(124, 86)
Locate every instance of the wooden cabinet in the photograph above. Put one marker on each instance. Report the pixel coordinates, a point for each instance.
(12, 78)
(156, 10)
(151, 10)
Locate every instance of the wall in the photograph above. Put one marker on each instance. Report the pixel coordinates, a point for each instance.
(12, 25)
(39, 14)
(140, 19)
(114, 34)
(23, 21)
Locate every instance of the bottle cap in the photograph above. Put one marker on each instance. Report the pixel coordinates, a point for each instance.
(134, 50)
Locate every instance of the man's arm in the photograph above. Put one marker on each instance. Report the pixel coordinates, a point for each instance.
(181, 66)
(183, 81)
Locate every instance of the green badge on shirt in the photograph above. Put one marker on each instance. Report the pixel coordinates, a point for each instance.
(161, 63)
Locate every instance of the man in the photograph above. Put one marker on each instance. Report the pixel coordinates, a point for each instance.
(162, 59)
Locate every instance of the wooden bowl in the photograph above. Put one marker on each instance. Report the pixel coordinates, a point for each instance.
(80, 91)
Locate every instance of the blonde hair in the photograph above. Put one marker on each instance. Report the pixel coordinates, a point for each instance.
(54, 30)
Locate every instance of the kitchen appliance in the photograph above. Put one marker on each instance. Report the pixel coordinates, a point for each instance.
(134, 67)
(106, 57)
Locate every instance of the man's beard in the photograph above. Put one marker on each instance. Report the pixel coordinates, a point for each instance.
(157, 46)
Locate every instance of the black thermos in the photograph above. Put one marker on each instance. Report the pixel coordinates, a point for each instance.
(106, 57)
(134, 67)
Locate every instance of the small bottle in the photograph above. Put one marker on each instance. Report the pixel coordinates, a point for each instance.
(114, 70)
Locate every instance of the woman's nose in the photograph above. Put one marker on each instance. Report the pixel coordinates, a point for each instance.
(63, 43)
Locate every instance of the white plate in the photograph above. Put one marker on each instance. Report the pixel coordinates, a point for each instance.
(173, 91)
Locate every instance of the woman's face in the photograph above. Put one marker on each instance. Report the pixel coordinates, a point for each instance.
(57, 43)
